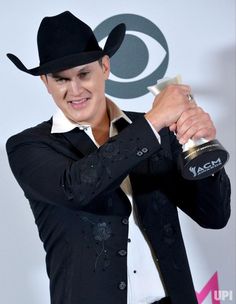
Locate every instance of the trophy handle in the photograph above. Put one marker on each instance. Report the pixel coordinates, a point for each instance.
(200, 158)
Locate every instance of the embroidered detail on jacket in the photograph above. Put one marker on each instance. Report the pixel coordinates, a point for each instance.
(90, 171)
(101, 232)
(113, 150)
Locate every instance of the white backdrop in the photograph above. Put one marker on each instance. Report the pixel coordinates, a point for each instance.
(201, 40)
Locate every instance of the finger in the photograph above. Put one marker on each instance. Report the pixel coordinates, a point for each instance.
(197, 131)
(193, 124)
(186, 88)
(207, 133)
(191, 117)
(177, 90)
(173, 127)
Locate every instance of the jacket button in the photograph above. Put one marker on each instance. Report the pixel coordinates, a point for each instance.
(122, 252)
(145, 150)
(125, 221)
(139, 153)
(122, 285)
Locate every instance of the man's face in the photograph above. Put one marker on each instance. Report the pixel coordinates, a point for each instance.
(80, 91)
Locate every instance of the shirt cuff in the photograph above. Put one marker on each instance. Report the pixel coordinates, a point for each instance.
(154, 131)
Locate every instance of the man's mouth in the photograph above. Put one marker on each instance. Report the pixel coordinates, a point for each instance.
(78, 103)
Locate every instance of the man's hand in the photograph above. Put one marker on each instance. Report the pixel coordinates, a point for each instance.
(168, 106)
(172, 108)
(195, 124)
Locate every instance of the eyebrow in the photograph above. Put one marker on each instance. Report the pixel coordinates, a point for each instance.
(59, 75)
(56, 75)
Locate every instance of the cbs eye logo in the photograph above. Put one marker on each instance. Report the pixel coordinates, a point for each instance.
(141, 60)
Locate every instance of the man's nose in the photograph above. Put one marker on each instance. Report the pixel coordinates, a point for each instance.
(75, 87)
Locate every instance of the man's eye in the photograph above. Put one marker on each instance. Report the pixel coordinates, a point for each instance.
(61, 80)
(83, 74)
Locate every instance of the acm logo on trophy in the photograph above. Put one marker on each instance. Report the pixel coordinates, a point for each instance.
(200, 158)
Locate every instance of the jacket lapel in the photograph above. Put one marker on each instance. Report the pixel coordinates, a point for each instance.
(81, 141)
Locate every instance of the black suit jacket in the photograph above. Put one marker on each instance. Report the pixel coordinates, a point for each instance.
(82, 214)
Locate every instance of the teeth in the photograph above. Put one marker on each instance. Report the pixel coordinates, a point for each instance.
(78, 101)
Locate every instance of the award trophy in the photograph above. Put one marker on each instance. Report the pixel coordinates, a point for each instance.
(200, 158)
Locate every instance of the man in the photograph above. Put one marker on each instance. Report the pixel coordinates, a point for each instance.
(103, 184)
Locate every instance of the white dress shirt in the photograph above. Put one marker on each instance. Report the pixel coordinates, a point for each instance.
(144, 283)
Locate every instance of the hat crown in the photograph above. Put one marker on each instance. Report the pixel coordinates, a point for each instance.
(63, 35)
(64, 41)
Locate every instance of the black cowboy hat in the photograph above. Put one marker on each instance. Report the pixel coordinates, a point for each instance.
(64, 42)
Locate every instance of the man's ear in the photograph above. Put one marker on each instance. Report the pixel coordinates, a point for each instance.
(44, 79)
(106, 66)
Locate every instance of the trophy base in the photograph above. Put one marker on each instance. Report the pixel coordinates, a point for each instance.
(203, 160)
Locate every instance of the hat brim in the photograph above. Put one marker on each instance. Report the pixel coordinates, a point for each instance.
(113, 43)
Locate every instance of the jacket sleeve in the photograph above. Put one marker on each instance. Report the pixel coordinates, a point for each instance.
(48, 176)
(207, 201)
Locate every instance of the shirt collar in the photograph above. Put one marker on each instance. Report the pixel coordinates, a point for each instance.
(61, 124)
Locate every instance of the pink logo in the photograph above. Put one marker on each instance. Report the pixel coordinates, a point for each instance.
(212, 287)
